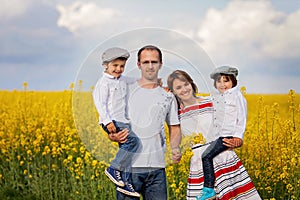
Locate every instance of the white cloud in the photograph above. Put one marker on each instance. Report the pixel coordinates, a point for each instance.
(285, 38)
(13, 8)
(252, 28)
(79, 15)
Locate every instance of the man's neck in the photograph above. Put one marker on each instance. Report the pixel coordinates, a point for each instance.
(148, 84)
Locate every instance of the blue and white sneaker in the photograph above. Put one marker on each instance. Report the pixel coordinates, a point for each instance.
(207, 194)
(128, 189)
(115, 176)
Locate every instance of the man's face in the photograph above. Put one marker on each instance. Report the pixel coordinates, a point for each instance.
(149, 64)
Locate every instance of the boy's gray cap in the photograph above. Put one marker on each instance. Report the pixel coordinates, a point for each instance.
(113, 53)
(224, 70)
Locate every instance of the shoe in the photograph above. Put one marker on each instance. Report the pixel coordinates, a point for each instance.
(207, 194)
(128, 189)
(114, 176)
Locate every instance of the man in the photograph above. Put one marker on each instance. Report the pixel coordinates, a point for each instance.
(149, 106)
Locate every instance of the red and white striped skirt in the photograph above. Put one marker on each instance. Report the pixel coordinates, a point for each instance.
(232, 179)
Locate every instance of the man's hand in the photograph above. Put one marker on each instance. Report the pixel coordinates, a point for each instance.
(175, 140)
(233, 142)
(176, 155)
(120, 137)
(111, 127)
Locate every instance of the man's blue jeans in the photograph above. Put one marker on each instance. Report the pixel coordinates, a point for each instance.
(215, 148)
(127, 150)
(150, 183)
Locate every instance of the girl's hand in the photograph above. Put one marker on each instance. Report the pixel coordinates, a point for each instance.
(120, 137)
(233, 142)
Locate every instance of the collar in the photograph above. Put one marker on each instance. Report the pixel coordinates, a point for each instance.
(231, 90)
(110, 76)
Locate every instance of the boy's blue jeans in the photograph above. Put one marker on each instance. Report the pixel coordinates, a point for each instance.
(215, 148)
(124, 157)
(149, 182)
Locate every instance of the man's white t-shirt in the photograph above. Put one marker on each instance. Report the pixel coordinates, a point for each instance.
(148, 109)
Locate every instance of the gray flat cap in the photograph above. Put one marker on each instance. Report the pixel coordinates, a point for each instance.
(113, 53)
(224, 70)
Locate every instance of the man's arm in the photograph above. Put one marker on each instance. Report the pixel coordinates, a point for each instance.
(175, 140)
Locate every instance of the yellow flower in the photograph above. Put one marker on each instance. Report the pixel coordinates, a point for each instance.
(54, 167)
(289, 187)
(82, 149)
(46, 150)
(78, 160)
(25, 85)
(198, 139)
(70, 157)
(94, 163)
(29, 152)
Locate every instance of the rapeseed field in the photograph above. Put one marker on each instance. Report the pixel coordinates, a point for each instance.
(52, 147)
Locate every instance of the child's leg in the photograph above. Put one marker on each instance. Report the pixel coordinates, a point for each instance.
(120, 168)
(128, 188)
(124, 159)
(127, 150)
(212, 150)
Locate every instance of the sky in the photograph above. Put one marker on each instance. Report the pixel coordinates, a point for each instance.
(52, 43)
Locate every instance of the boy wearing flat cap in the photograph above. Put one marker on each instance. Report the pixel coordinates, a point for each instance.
(230, 115)
(110, 99)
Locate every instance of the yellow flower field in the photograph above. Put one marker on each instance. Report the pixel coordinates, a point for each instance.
(53, 148)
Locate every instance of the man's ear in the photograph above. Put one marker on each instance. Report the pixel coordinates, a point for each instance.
(160, 65)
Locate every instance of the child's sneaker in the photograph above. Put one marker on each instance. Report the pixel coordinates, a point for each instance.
(128, 189)
(207, 194)
(114, 176)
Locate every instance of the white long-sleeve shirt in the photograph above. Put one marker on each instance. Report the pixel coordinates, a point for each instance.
(230, 113)
(110, 98)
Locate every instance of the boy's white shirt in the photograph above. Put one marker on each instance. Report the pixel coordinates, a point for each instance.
(230, 113)
(110, 98)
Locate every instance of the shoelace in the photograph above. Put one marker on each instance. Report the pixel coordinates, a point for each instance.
(118, 175)
(200, 195)
(130, 187)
